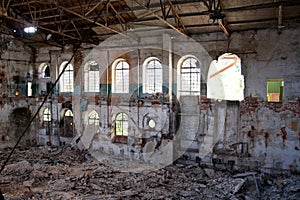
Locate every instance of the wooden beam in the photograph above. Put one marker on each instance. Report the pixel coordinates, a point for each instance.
(147, 14)
(89, 20)
(76, 29)
(29, 8)
(222, 22)
(224, 29)
(7, 5)
(118, 15)
(177, 16)
(160, 18)
(40, 27)
(92, 9)
(121, 19)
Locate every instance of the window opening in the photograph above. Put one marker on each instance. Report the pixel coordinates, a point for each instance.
(46, 71)
(66, 80)
(190, 77)
(91, 77)
(121, 77)
(275, 90)
(93, 118)
(153, 76)
(47, 115)
(121, 125)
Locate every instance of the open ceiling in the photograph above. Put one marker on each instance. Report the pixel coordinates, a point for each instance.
(61, 22)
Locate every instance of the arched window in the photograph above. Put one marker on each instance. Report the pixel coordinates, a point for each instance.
(121, 125)
(190, 77)
(120, 76)
(152, 76)
(68, 113)
(44, 71)
(224, 78)
(91, 77)
(66, 80)
(93, 118)
(46, 115)
(67, 123)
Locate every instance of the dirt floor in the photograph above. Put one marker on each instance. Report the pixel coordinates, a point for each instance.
(67, 173)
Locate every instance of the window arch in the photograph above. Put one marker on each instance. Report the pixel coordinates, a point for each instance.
(44, 71)
(120, 76)
(66, 80)
(152, 76)
(46, 115)
(66, 123)
(189, 80)
(121, 125)
(91, 77)
(93, 118)
(68, 113)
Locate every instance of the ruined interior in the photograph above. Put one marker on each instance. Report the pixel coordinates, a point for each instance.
(150, 99)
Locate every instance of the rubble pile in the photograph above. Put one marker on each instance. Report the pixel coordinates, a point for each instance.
(66, 173)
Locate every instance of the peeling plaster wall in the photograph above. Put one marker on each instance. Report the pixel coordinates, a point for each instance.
(256, 133)
(265, 54)
(272, 132)
(248, 134)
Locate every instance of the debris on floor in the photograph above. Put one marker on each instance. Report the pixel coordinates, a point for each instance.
(67, 173)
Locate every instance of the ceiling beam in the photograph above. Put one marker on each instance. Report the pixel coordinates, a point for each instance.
(120, 18)
(89, 20)
(223, 22)
(76, 29)
(160, 18)
(7, 5)
(92, 9)
(136, 9)
(40, 27)
(177, 16)
(222, 26)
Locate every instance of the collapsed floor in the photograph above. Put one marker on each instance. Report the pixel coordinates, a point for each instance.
(67, 173)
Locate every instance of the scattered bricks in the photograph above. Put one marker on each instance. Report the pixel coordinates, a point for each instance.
(83, 179)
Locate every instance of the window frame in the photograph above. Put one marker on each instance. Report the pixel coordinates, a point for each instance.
(42, 69)
(91, 85)
(278, 97)
(125, 71)
(67, 76)
(148, 88)
(48, 114)
(121, 138)
(190, 70)
(96, 118)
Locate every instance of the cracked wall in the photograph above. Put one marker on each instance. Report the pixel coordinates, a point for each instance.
(252, 133)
